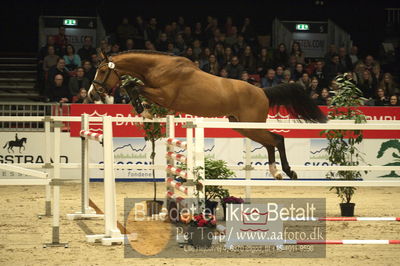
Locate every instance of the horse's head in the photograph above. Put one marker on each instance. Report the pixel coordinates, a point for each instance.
(106, 78)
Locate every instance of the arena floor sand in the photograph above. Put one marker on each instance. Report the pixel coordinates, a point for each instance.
(22, 233)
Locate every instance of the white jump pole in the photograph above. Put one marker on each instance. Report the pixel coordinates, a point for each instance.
(199, 161)
(110, 220)
(248, 168)
(56, 189)
(86, 211)
(47, 161)
(170, 132)
(85, 166)
(112, 234)
(190, 154)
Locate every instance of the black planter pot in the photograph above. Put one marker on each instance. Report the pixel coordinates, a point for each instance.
(211, 206)
(347, 209)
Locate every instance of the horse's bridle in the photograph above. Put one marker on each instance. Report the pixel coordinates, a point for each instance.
(110, 68)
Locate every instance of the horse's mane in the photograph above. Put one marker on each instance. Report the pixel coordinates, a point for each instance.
(143, 52)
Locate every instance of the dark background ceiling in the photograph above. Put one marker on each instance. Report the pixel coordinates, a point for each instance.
(364, 20)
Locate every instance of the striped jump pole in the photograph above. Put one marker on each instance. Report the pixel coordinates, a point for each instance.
(91, 135)
(345, 219)
(177, 171)
(342, 242)
(177, 157)
(172, 195)
(177, 143)
(175, 184)
(357, 219)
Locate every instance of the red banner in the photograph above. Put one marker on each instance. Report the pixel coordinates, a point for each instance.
(131, 130)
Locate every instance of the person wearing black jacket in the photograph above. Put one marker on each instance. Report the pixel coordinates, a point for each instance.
(59, 92)
(333, 68)
(87, 49)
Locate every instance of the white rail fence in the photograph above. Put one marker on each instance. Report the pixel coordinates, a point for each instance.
(195, 161)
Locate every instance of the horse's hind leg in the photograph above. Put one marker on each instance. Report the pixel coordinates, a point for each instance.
(271, 162)
(270, 141)
(280, 144)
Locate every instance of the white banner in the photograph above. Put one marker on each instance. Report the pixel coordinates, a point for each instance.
(75, 36)
(308, 152)
(312, 44)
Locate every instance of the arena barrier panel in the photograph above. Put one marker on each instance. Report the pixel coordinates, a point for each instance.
(199, 126)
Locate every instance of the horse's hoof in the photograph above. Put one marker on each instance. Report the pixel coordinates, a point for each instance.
(278, 176)
(293, 175)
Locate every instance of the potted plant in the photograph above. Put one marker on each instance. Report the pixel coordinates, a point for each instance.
(230, 200)
(215, 169)
(154, 132)
(201, 230)
(342, 144)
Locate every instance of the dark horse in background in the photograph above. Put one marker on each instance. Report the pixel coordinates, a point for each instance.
(178, 84)
(15, 143)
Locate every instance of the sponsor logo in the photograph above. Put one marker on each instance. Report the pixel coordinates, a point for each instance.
(18, 142)
(390, 147)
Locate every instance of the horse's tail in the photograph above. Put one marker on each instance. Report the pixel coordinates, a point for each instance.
(296, 101)
(5, 145)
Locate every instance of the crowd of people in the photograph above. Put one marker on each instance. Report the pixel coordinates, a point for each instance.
(224, 50)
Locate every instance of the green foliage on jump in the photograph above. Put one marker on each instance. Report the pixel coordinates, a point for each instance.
(342, 146)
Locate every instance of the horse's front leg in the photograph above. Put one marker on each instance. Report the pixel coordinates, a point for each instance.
(271, 162)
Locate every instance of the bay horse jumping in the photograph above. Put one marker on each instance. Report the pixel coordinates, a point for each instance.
(176, 83)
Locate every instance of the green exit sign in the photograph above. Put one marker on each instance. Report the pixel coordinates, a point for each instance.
(70, 22)
(302, 27)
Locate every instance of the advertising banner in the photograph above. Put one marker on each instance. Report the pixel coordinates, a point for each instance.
(131, 130)
(27, 147)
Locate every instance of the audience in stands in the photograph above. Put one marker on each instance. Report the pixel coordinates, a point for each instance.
(388, 85)
(304, 80)
(279, 73)
(61, 40)
(264, 61)
(82, 96)
(269, 80)
(286, 76)
(212, 66)
(234, 69)
(324, 98)
(297, 53)
(222, 48)
(332, 68)
(72, 60)
(59, 68)
(394, 101)
(313, 89)
(90, 71)
(352, 57)
(380, 98)
(367, 84)
(78, 82)
(280, 56)
(58, 91)
(50, 59)
(85, 53)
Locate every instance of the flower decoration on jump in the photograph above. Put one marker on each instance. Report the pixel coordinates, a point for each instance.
(203, 220)
(233, 200)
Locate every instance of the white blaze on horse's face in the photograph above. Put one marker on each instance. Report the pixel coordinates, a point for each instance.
(91, 90)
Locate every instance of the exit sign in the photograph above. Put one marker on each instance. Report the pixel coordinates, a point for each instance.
(302, 27)
(70, 22)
